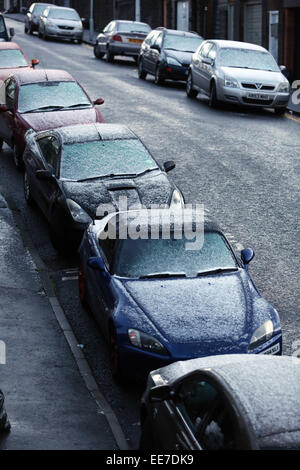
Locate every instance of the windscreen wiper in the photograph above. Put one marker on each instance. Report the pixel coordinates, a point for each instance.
(162, 275)
(43, 108)
(216, 271)
(77, 105)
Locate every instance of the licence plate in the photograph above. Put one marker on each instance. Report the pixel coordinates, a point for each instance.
(138, 41)
(258, 96)
(272, 350)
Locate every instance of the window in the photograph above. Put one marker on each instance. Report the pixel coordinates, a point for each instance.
(149, 38)
(12, 58)
(212, 52)
(153, 38)
(2, 25)
(50, 150)
(205, 49)
(158, 40)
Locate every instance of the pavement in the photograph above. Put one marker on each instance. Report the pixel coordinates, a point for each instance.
(47, 400)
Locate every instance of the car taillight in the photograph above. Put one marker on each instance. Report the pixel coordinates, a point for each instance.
(116, 37)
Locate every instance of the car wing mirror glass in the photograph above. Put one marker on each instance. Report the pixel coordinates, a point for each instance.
(95, 262)
(35, 62)
(160, 393)
(169, 165)
(247, 255)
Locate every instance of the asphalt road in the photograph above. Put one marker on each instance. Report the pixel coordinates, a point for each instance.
(243, 165)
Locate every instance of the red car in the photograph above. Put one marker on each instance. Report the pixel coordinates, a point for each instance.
(13, 59)
(41, 100)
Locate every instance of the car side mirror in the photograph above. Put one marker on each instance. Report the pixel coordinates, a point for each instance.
(12, 32)
(208, 61)
(247, 255)
(155, 47)
(35, 62)
(95, 262)
(3, 108)
(160, 393)
(98, 102)
(44, 175)
(169, 165)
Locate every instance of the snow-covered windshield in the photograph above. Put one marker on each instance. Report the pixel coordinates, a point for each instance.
(85, 160)
(50, 96)
(247, 58)
(12, 58)
(182, 43)
(145, 257)
(63, 14)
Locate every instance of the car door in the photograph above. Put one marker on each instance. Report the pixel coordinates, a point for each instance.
(202, 72)
(7, 118)
(209, 69)
(155, 50)
(103, 38)
(145, 50)
(148, 58)
(47, 191)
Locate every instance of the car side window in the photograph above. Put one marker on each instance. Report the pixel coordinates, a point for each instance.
(205, 50)
(158, 40)
(31, 7)
(212, 52)
(50, 148)
(149, 38)
(153, 38)
(10, 94)
(204, 410)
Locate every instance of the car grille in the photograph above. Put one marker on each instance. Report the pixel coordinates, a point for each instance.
(66, 27)
(253, 86)
(255, 101)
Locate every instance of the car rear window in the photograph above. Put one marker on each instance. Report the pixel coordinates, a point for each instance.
(134, 27)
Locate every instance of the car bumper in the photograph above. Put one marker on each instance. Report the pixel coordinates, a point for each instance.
(64, 34)
(253, 98)
(128, 49)
(174, 72)
(137, 363)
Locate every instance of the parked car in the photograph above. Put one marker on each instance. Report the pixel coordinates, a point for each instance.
(13, 59)
(239, 73)
(39, 100)
(4, 421)
(121, 38)
(33, 15)
(167, 54)
(229, 402)
(4, 34)
(157, 303)
(71, 170)
(61, 23)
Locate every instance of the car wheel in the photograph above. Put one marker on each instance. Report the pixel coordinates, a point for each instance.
(141, 73)
(18, 161)
(213, 102)
(97, 53)
(27, 191)
(109, 56)
(158, 80)
(30, 29)
(81, 286)
(280, 111)
(114, 359)
(45, 37)
(146, 439)
(25, 29)
(191, 93)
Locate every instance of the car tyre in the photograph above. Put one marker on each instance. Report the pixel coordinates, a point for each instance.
(158, 80)
(109, 56)
(213, 102)
(114, 359)
(39, 34)
(26, 29)
(45, 37)
(27, 191)
(97, 53)
(141, 73)
(18, 160)
(191, 93)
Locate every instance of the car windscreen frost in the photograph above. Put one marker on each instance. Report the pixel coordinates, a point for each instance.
(182, 43)
(12, 58)
(247, 58)
(142, 257)
(50, 94)
(86, 160)
(61, 14)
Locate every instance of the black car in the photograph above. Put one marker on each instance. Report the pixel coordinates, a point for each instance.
(232, 402)
(121, 38)
(4, 421)
(70, 171)
(4, 35)
(167, 54)
(33, 15)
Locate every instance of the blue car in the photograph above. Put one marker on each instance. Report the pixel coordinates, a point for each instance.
(157, 302)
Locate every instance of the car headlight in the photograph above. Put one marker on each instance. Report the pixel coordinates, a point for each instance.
(177, 200)
(231, 82)
(172, 61)
(284, 88)
(77, 213)
(148, 343)
(261, 335)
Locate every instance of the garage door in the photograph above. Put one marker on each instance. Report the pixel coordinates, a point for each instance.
(253, 23)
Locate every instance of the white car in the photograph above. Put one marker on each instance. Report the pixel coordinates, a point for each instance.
(240, 73)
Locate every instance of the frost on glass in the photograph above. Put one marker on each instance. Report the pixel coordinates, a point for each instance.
(63, 14)
(86, 160)
(182, 43)
(12, 58)
(247, 58)
(141, 257)
(34, 96)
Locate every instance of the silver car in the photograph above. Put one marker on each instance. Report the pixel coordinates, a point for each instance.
(121, 38)
(240, 73)
(33, 15)
(60, 22)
